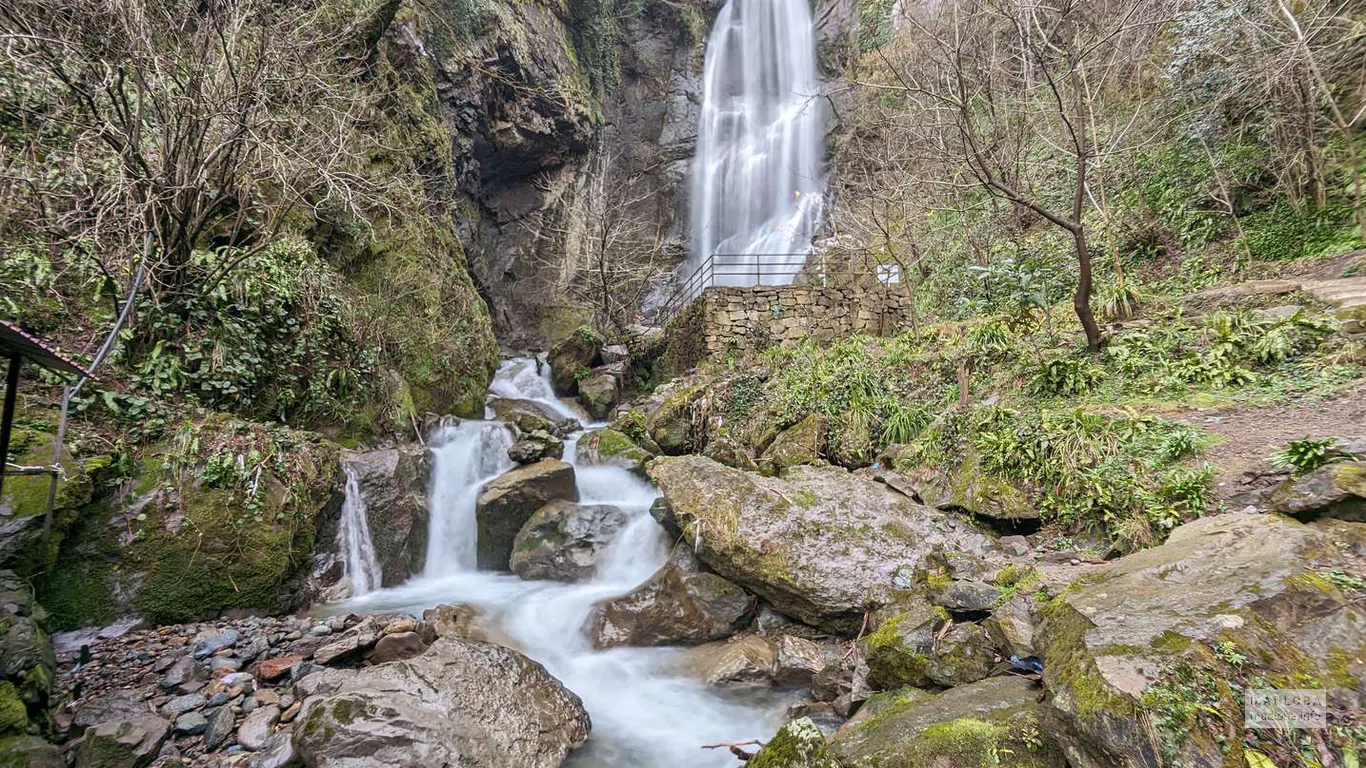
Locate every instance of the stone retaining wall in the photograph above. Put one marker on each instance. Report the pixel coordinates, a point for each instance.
(764, 316)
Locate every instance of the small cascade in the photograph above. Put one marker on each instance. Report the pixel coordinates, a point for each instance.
(758, 178)
(360, 564)
(526, 378)
(464, 457)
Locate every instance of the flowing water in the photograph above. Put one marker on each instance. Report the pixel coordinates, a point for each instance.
(359, 563)
(645, 712)
(757, 176)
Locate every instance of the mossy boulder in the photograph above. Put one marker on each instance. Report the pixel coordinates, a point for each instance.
(600, 390)
(27, 663)
(611, 448)
(1336, 490)
(24, 500)
(967, 486)
(801, 444)
(506, 504)
(13, 712)
(983, 725)
(731, 452)
(564, 541)
(819, 544)
(1236, 597)
(225, 515)
(573, 355)
(799, 744)
(29, 752)
(132, 743)
(898, 652)
(531, 416)
(675, 424)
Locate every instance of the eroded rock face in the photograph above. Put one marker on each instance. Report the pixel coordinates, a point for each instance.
(972, 725)
(563, 541)
(1259, 586)
(572, 355)
(802, 443)
(460, 703)
(394, 485)
(509, 501)
(674, 607)
(820, 544)
(965, 486)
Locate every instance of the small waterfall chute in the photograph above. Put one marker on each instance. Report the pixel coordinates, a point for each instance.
(464, 458)
(360, 564)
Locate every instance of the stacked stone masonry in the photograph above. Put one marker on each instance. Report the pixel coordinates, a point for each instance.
(758, 317)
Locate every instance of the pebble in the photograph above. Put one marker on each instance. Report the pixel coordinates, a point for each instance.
(321, 629)
(191, 724)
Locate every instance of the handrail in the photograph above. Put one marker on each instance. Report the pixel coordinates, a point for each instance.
(725, 268)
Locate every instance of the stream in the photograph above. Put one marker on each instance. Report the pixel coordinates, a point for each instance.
(645, 713)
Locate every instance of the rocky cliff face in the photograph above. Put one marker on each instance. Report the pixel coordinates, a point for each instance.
(540, 98)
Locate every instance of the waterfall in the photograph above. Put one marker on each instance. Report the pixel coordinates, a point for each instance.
(757, 176)
(464, 457)
(361, 566)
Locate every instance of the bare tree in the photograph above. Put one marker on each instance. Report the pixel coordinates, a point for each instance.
(202, 127)
(613, 245)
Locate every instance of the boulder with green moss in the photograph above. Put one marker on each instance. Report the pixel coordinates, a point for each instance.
(611, 448)
(23, 505)
(819, 544)
(965, 485)
(1336, 490)
(530, 416)
(132, 743)
(600, 390)
(1160, 635)
(898, 652)
(991, 723)
(393, 484)
(508, 501)
(800, 444)
(731, 452)
(27, 663)
(224, 515)
(21, 751)
(675, 422)
(799, 744)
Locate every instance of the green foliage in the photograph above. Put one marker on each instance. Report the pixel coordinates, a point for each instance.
(1066, 376)
(1305, 455)
(1281, 232)
(1347, 582)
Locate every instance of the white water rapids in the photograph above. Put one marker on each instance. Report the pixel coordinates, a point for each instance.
(645, 713)
(757, 176)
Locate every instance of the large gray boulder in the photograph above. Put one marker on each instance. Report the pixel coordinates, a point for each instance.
(26, 656)
(131, 743)
(600, 391)
(394, 483)
(563, 541)
(29, 752)
(673, 607)
(819, 544)
(461, 703)
(509, 501)
(965, 727)
(1232, 597)
(529, 416)
(570, 356)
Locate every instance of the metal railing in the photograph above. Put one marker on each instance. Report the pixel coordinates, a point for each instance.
(747, 269)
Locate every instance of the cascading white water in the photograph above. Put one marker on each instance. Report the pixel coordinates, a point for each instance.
(757, 176)
(524, 378)
(360, 565)
(464, 458)
(645, 712)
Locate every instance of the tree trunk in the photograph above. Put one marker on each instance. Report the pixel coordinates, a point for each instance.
(1081, 301)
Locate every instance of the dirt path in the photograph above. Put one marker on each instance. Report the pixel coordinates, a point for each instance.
(1250, 435)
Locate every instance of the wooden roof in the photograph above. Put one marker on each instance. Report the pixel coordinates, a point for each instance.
(14, 340)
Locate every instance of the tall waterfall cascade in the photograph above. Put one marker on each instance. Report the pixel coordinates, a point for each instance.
(360, 565)
(464, 458)
(758, 175)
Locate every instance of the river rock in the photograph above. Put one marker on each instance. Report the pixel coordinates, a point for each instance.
(968, 487)
(599, 391)
(1011, 627)
(610, 448)
(396, 647)
(258, 727)
(191, 724)
(968, 726)
(1246, 583)
(122, 704)
(967, 596)
(898, 653)
(508, 501)
(802, 443)
(745, 659)
(277, 752)
(219, 727)
(819, 544)
(673, 607)
(455, 621)
(530, 416)
(216, 642)
(460, 703)
(797, 660)
(799, 744)
(532, 447)
(571, 355)
(350, 645)
(563, 541)
(182, 704)
(394, 484)
(27, 659)
(122, 743)
(962, 655)
(1336, 490)
(731, 452)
